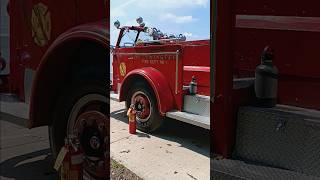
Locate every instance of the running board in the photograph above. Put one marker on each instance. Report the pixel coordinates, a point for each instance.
(197, 120)
(114, 96)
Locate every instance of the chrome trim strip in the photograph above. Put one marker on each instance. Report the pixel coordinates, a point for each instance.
(177, 71)
(289, 23)
(145, 53)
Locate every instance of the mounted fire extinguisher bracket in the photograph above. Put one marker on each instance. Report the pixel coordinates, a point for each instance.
(193, 86)
(266, 80)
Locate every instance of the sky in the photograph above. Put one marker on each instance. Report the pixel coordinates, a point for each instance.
(188, 17)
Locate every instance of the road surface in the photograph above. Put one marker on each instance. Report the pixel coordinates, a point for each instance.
(177, 151)
(24, 153)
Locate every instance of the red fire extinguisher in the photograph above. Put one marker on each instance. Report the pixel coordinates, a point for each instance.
(70, 162)
(76, 165)
(132, 119)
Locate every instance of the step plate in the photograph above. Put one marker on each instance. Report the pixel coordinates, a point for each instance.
(197, 104)
(239, 170)
(197, 120)
(284, 136)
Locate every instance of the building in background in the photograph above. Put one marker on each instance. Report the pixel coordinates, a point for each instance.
(4, 34)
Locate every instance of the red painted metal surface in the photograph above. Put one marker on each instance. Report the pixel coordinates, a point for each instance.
(244, 28)
(41, 101)
(158, 68)
(222, 108)
(193, 60)
(293, 32)
(59, 16)
(157, 81)
(48, 60)
(290, 23)
(22, 41)
(203, 83)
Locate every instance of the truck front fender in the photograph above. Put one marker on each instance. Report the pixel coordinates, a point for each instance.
(156, 80)
(55, 67)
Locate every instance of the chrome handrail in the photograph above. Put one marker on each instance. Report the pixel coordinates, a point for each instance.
(146, 53)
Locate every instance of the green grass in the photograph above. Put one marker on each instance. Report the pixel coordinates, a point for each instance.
(119, 171)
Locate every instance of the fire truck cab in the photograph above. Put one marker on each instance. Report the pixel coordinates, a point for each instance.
(153, 71)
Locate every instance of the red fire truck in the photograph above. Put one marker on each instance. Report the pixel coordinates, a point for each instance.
(162, 75)
(58, 65)
(265, 143)
(249, 141)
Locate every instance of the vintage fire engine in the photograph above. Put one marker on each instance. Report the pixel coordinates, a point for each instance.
(282, 142)
(55, 59)
(162, 76)
(265, 119)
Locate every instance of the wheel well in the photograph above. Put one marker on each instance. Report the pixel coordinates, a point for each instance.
(136, 78)
(156, 81)
(73, 61)
(91, 59)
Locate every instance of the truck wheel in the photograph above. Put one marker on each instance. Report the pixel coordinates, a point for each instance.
(75, 100)
(143, 98)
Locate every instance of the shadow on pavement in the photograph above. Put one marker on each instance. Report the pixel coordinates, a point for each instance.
(191, 137)
(13, 119)
(33, 166)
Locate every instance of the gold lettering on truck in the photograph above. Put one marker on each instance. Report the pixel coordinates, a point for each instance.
(122, 69)
(41, 24)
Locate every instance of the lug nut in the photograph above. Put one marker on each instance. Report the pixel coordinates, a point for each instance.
(83, 123)
(101, 126)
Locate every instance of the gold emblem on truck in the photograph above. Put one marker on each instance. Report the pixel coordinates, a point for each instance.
(123, 69)
(41, 24)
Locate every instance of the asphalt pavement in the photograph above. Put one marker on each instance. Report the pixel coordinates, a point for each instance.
(24, 153)
(176, 151)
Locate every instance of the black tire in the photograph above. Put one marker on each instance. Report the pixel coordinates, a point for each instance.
(155, 119)
(65, 103)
